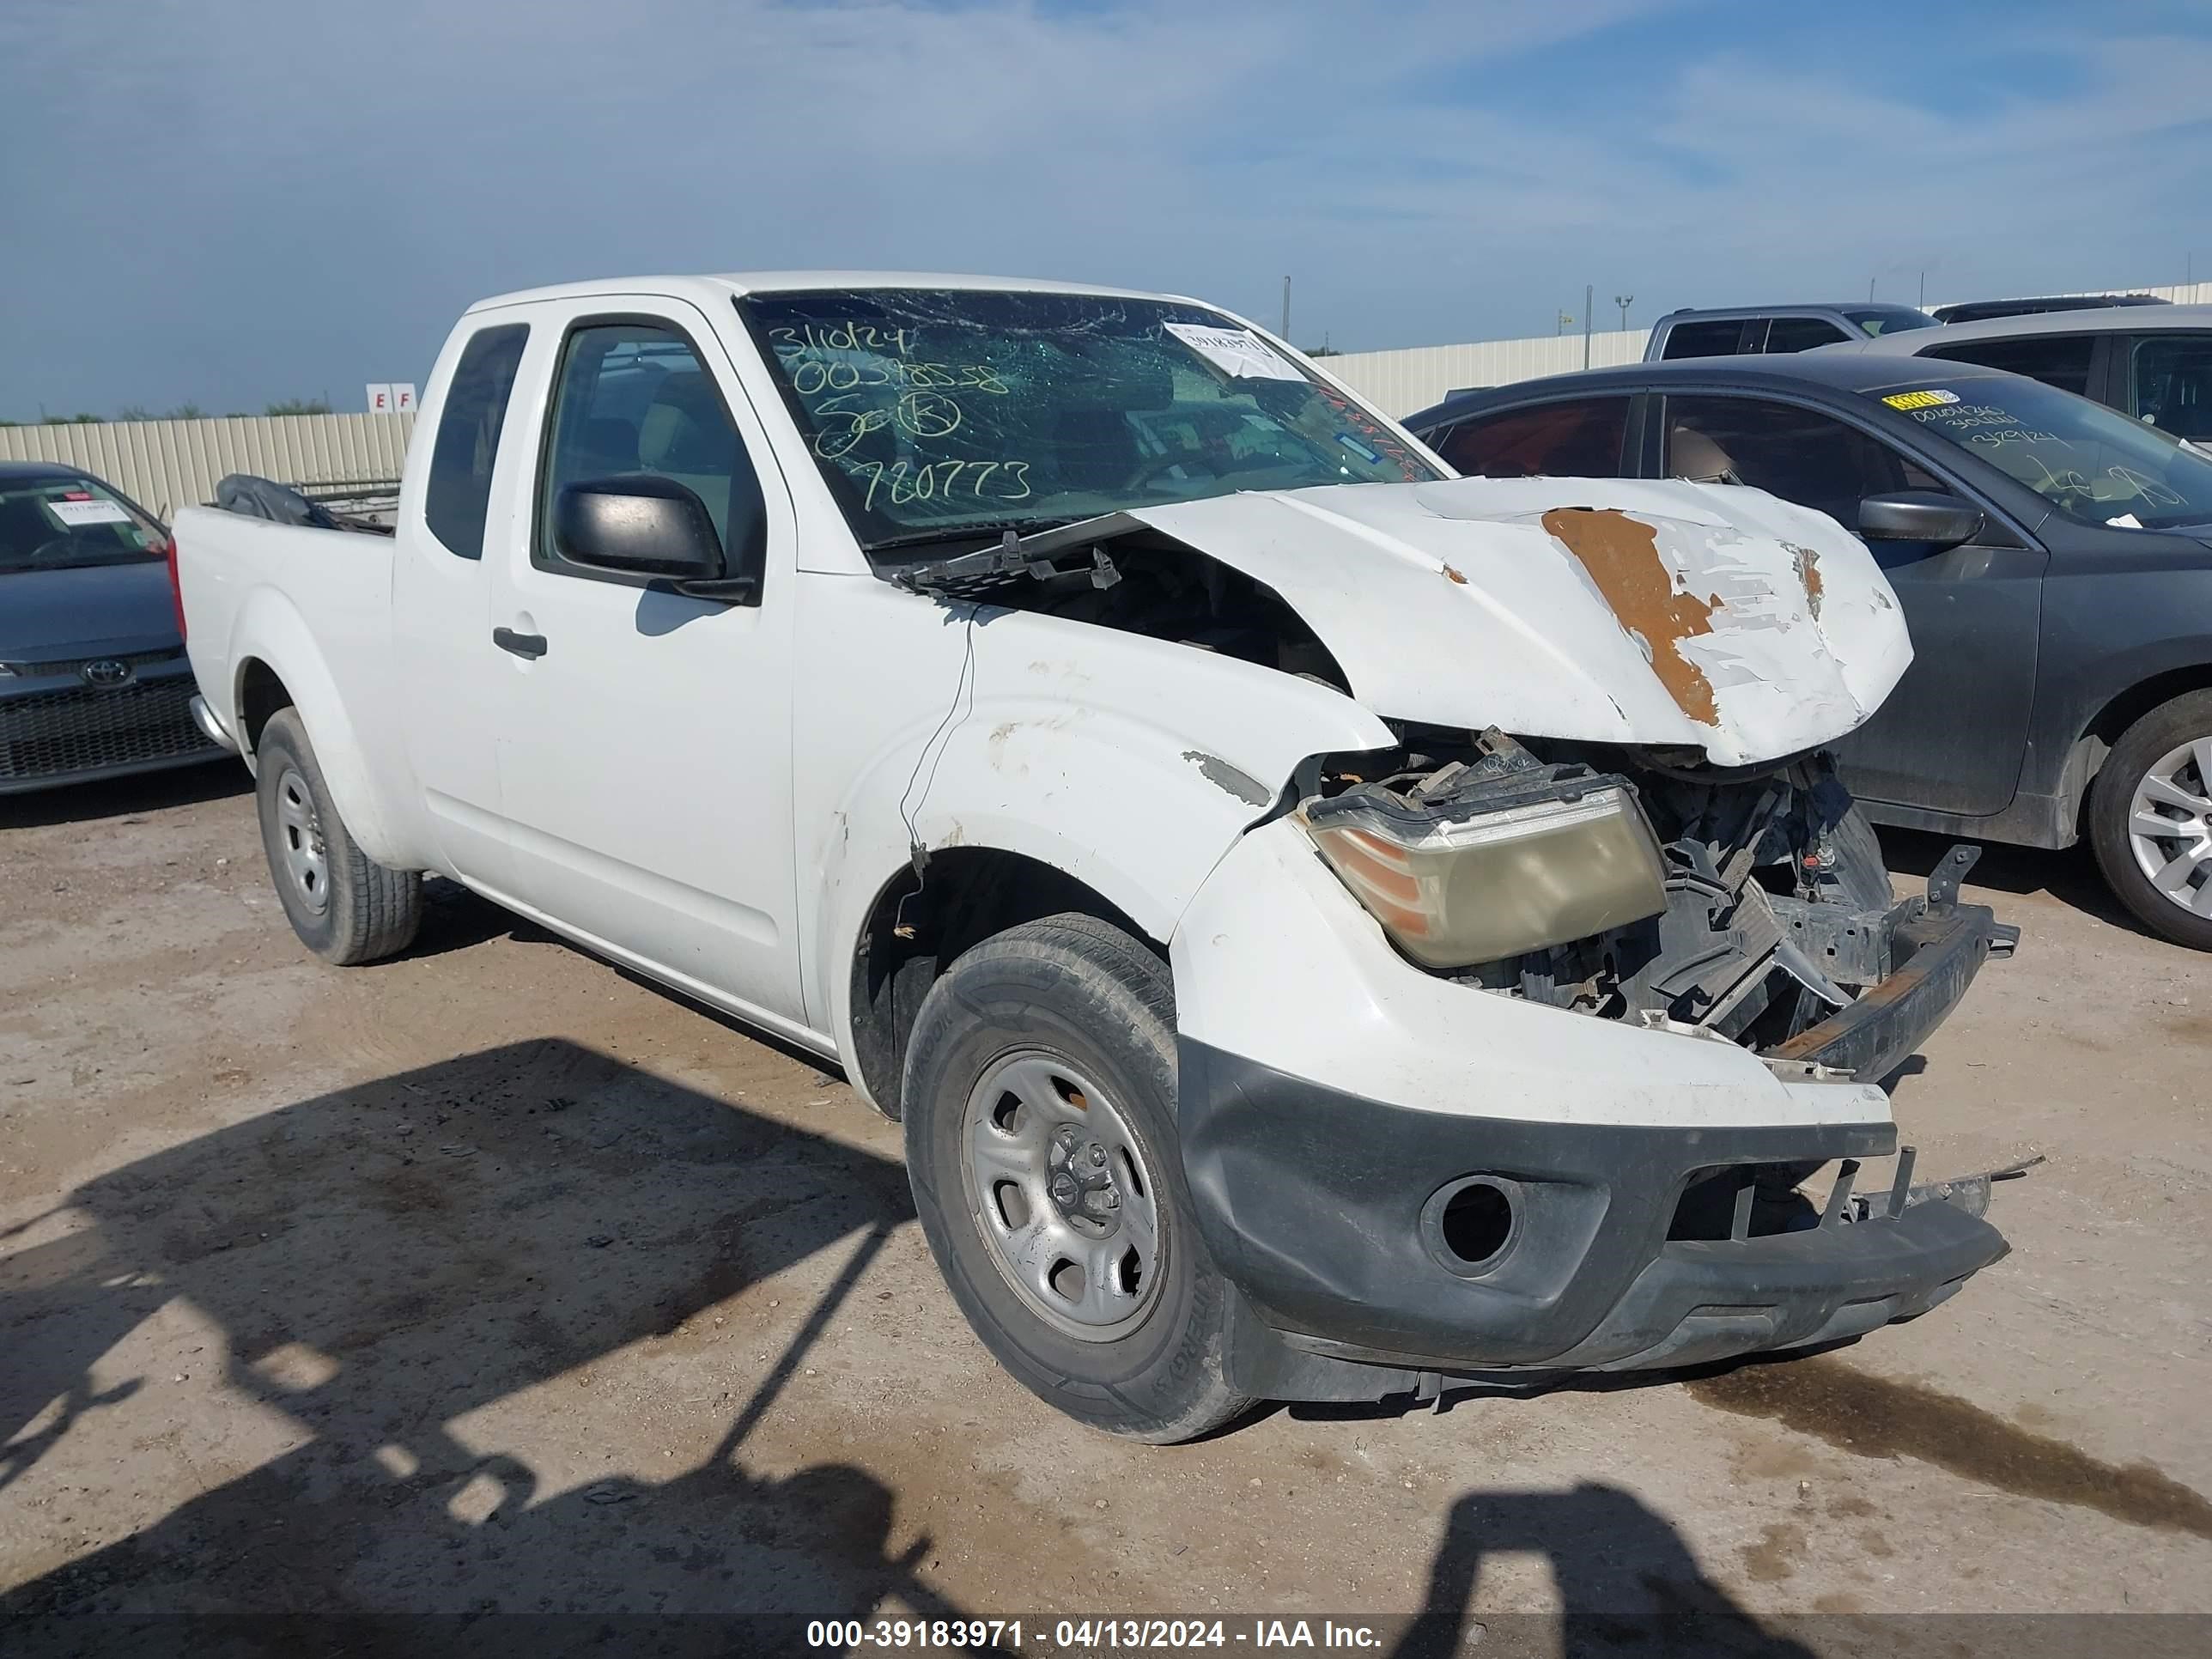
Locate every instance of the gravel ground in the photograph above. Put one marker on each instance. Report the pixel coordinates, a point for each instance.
(493, 1280)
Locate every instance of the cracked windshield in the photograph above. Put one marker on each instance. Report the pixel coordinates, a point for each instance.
(935, 414)
(2087, 461)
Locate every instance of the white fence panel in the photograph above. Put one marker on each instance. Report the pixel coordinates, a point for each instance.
(166, 464)
(1404, 382)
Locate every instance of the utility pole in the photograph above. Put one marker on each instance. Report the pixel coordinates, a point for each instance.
(1565, 322)
(1624, 300)
(1870, 290)
(1923, 290)
(1590, 298)
(1286, 311)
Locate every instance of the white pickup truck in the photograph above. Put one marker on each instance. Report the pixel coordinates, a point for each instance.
(1328, 927)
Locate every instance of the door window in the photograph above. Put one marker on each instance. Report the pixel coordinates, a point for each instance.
(459, 489)
(1703, 339)
(1577, 439)
(1801, 334)
(1799, 454)
(2059, 360)
(635, 398)
(2170, 384)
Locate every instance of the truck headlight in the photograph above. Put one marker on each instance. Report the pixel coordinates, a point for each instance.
(1501, 865)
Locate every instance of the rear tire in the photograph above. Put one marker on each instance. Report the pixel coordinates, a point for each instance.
(345, 907)
(2154, 847)
(1042, 1058)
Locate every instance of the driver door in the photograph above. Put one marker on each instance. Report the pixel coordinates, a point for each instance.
(645, 735)
(1952, 736)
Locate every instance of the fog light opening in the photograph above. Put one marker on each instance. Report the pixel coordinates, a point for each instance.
(1473, 1222)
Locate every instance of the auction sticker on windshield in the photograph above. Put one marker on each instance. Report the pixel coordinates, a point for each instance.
(76, 513)
(1927, 399)
(1237, 352)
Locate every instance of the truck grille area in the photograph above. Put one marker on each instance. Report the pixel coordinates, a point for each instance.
(58, 734)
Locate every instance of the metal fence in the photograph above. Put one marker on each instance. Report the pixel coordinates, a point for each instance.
(1403, 381)
(166, 464)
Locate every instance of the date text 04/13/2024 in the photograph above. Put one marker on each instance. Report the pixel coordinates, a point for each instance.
(1082, 1636)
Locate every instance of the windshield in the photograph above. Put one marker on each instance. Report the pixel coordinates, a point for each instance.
(61, 523)
(1889, 319)
(935, 414)
(2085, 460)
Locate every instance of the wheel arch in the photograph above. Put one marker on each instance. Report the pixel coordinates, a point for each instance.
(918, 923)
(2085, 756)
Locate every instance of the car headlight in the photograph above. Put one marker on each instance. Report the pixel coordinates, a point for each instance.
(1505, 863)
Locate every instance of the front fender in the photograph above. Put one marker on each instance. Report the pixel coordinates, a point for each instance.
(1132, 773)
(269, 628)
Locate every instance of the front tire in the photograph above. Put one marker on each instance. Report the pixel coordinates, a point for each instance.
(345, 907)
(1039, 1097)
(2150, 820)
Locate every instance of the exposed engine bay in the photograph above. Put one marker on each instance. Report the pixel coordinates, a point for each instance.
(1747, 904)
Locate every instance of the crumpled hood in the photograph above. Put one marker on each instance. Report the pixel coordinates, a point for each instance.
(1710, 616)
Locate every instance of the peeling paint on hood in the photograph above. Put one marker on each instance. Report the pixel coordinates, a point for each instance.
(1616, 611)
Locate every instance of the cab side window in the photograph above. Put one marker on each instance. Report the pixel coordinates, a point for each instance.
(458, 493)
(632, 398)
(2059, 360)
(1577, 439)
(2170, 384)
(1703, 339)
(1801, 334)
(1799, 454)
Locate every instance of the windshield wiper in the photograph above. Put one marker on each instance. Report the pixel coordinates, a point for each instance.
(962, 532)
(971, 575)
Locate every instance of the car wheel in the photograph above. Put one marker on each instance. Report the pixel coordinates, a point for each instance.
(2150, 819)
(345, 907)
(1039, 1097)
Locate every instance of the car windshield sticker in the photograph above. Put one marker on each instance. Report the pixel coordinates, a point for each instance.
(75, 514)
(1237, 352)
(1928, 400)
(1357, 447)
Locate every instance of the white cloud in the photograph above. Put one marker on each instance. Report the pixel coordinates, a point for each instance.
(244, 201)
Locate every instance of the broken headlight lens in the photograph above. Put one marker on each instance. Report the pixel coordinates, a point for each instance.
(1500, 865)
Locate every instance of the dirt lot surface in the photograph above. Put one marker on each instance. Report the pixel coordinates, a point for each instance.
(490, 1280)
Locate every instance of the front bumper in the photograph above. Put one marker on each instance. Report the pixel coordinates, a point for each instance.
(59, 729)
(1321, 1206)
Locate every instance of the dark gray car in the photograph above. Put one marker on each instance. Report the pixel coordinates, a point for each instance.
(2053, 559)
(94, 682)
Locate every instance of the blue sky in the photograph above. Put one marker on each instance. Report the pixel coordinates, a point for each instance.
(232, 201)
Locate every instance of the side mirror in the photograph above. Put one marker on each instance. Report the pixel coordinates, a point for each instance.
(1920, 515)
(643, 524)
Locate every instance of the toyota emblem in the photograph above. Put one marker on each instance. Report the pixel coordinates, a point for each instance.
(106, 671)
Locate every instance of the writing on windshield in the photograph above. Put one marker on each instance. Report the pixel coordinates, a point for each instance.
(930, 410)
(2085, 460)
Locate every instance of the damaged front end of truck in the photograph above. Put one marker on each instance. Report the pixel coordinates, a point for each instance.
(1585, 1073)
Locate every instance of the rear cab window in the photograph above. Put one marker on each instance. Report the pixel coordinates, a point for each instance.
(2170, 384)
(1576, 438)
(2061, 360)
(68, 521)
(458, 492)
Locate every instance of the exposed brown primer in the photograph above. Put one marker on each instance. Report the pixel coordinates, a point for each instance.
(1873, 1417)
(1808, 571)
(1622, 557)
(1451, 574)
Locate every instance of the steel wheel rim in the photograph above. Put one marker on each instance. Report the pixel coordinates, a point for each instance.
(2170, 826)
(1062, 1196)
(300, 840)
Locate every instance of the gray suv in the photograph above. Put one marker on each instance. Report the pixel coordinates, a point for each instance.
(1724, 333)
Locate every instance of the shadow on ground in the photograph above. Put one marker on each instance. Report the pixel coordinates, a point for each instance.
(384, 1260)
(115, 798)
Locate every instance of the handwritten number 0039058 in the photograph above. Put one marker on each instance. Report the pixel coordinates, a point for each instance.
(938, 480)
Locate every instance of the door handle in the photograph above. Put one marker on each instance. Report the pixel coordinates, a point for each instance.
(532, 646)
